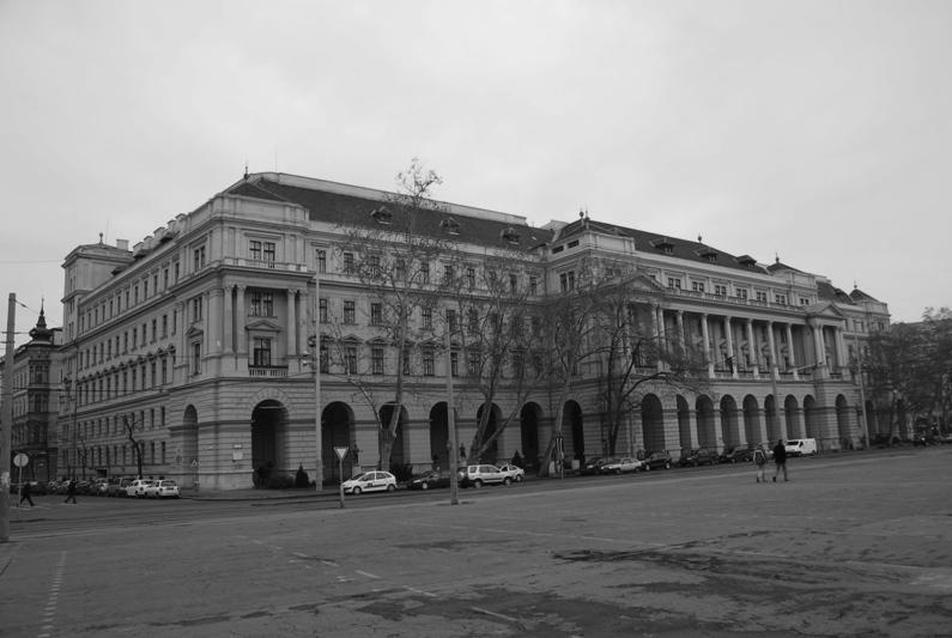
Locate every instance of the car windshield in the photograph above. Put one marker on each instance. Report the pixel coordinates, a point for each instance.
(366, 476)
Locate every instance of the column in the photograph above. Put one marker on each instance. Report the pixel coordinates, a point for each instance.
(680, 322)
(752, 348)
(241, 346)
(730, 346)
(818, 348)
(292, 324)
(791, 351)
(229, 320)
(706, 335)
(659, 322)
(841, 358)
(215, 319)
(772, 346)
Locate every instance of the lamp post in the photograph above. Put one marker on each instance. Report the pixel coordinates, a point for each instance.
(318, 442)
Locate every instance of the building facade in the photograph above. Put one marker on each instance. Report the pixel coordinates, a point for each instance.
(190, 355)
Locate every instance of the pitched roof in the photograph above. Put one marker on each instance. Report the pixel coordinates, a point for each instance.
(341, 208)
(859, 295)
(830, 292)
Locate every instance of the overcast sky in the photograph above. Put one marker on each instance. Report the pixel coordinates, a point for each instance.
(817, 131)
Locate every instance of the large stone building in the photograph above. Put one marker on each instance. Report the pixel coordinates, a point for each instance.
(189, 353)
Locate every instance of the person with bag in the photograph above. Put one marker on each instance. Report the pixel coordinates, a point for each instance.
(780, 458)
(760, 460)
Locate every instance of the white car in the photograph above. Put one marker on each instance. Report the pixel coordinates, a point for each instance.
(166, 488)
(137, 487)
(484, 474)
(801, 447)
(514, 472)
(626, 464)
(375, 481)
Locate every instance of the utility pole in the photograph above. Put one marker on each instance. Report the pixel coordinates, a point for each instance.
(318, 442)
(451, 420)
(6, 426)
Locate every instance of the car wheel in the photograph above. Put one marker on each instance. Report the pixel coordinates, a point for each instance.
(519, 478)
(477, 484)
(506, 481)
(618, 471)
(356, 491)
(647, 467)
(667, 466)
(424, 485)
(391, 487)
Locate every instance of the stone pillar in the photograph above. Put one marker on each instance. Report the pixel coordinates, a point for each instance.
(292, 324)
(662, 345)
(819, 349)
(752, 348)
(841, 357)
(730, 345)
(791, 352)
(772, 346)
(241, 343)
(228, 317)
(706, 335)
(680, 322)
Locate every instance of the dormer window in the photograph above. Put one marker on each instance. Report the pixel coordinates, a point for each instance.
(747, 262)
(381, 215)
(663, 244)
(510, 235)
(450, 225)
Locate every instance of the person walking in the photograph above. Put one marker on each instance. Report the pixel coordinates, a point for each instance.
(70, 492)
(780, 458)
(760, 460)
(25, 494)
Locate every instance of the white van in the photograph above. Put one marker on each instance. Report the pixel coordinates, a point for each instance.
(801, 447)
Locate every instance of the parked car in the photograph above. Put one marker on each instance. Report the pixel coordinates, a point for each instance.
(700, 456)
(737, 454)
(137, 488)
(658, 461)
(592, 466)
(623, 465)
(484, 474)
(430, 480)
(374, 481)
(165, 488)
(801, 447)
(514, 472)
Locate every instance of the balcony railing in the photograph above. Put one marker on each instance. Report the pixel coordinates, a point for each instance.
(268, 371)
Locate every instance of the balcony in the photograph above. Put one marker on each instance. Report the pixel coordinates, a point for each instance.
(268, 371)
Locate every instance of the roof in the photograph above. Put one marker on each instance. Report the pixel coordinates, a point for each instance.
(665, 244)
(858, 295)
(341, 208)
(830, 292)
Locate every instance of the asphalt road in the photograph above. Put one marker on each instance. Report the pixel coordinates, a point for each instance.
(853, 545)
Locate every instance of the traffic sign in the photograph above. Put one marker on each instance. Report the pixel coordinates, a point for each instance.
(21, 459)
(341, 452)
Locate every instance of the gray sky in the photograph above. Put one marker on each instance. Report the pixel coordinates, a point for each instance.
(819, 131)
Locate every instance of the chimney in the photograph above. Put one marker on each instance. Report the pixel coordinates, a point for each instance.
(122, 244)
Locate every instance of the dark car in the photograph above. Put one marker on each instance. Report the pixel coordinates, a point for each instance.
(592, 466)
(737, 454)
(658, 461)
(430, 480)
(701, 456)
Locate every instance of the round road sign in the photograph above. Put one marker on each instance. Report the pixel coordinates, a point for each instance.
(21, 459)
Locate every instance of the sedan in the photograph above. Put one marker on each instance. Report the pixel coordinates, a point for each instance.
(622, 465)
(430, 479)
(166, 488)
(375, 481)
(514, 472)
(137, 487)
(658, 461)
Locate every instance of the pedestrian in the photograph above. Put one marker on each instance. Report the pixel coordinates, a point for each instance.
(780, 458)
(71, 492)
(760, 460)
(25, 494)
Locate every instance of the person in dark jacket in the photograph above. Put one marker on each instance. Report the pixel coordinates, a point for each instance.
(780, 458)
(25, 494)
(71, 492)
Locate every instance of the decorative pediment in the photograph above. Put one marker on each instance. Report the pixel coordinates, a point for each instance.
(824, 310)
(194, 333)
(262, 325)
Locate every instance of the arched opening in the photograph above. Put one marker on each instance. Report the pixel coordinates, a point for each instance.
(269, 423)
(811, 417)
(773, 419)
(752, 420)
(490, 454)
(529, 430)
(575, 442)
(843, 422)
(707, 437)
(652, 423)
(439, 436)
(791, 412)
(729, 422)
(684, 424)
(398, 452)
(189, 460)
(336, 427)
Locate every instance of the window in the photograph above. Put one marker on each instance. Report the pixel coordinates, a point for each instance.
(451, 321)
(761, 296)
(135, 338)
(350, 359)
(325, 358)
(321, 260)
(322, 310)
(165, 372)
(804, 301)
(406, 362)
(196, 309)
(254, 248)
(533, 285)
(175, 273)
(473, 362)
(165, 279)
(145, 288)
(400, 269)
(567, 281)
(165, 326)
(425, 272)
(697, 286)
(376, 313)
(376, 360)
(513, 283)
(448, 273)
(471, 277)
(429, 368)
(348, 262)
(780, 299)
(674, 282)
(269, 253)
(155, 330)
(472, 321)
(262, 304)
(261, 352)
(720, 289)
(350, 312)
(135, 294)
(152, 373)
(454, 364)
(741, 293)
(427, 315)
(198, 258)
(196, 361)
